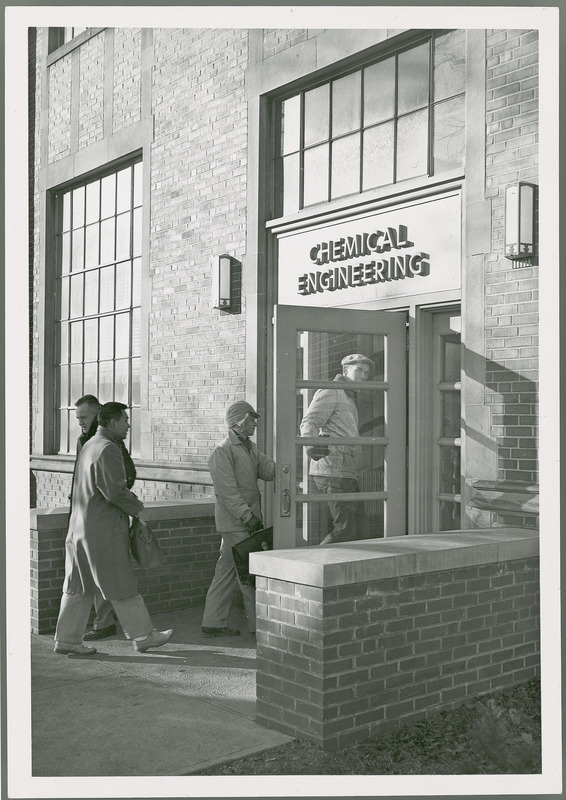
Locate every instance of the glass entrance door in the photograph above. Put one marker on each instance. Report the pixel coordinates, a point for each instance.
(340, 439)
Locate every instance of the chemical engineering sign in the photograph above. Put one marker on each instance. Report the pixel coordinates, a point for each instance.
(409, 250)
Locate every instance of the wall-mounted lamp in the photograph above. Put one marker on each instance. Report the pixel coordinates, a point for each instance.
(221, 281)
(520, 221)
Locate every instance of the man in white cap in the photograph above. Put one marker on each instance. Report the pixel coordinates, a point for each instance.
(333, 412)
(235, 466)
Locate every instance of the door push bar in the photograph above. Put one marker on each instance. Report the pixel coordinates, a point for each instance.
(285, 507)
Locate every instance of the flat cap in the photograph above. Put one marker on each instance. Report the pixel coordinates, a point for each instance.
(237, 411)
(356, 358)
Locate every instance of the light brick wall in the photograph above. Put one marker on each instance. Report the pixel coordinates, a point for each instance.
(126, 78)
(512, 294)
(60, 84)
(91, 91)
(189, 543)
(198, 209)
(278, 39)
(337, 665)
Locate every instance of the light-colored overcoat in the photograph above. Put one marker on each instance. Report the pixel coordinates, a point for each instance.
(235, 471)
(96, 547)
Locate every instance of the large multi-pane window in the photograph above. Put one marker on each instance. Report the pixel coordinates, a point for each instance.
(399, 118)
(99, 246)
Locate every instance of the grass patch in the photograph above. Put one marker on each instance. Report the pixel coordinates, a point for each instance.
(495, 734)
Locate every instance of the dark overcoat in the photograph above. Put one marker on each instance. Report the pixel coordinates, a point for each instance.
(96, 547)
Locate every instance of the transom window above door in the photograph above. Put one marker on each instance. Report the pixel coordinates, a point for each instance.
(398, 118)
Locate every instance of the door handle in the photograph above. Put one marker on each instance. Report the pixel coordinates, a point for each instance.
(285, 500)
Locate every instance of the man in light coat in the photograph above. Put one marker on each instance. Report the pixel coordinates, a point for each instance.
(235, 466)
(333, 412)
(96, 548)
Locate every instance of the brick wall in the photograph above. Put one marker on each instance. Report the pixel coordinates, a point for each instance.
(186, 534)
(511, 293)
(60, 84)
(339, 664)
(91, 95)
(278, 39)
(126, 98)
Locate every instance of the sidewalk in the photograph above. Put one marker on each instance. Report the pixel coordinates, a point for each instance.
(171, 711)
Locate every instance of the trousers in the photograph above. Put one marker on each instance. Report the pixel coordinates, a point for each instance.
(348, 517)
(225, 580)
(75, 609)
(104, 613)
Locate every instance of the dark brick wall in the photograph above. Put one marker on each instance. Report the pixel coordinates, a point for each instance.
(339, 665)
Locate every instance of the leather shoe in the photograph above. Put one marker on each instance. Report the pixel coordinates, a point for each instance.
(73, 649)
(100, 633)
(154, 639)
(220, 632)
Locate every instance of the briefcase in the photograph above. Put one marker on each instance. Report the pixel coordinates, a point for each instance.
(262, 540)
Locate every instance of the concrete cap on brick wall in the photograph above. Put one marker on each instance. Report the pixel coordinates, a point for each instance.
(374, 559)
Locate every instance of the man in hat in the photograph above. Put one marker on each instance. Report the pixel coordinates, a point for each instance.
(235, 466)
(333, 412)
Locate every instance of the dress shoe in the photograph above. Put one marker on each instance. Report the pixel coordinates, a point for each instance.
(154, 639)
(100, 633)
(73, 649)
(220, 632)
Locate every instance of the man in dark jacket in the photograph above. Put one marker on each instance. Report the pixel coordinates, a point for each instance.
(235, 465)
(86, 409)
(96, 548)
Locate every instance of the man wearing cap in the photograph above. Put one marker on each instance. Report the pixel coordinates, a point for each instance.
(333, 412)
(235, 466)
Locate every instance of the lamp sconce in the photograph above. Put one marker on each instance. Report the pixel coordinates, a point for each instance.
(520, 221)
(222, 281)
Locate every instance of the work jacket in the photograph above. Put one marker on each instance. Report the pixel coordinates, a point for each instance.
(96, 547)
(333, 412)
(235, 472)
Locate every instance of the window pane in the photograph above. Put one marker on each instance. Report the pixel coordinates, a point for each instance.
(412, 145)
(378, 156)
(123, 236)
(451, 358)
(63, 431)
(106, 381)
(78, 257)
(77, 296)
(346, 165)
(449, 482)
(65, 253)
(136, 345)
(107, 289)
(93, 202)
(64, 386)
(64, 342)
(450, 423)
(106, 337)
(379, 92)
(90, 385)
(91, 339)
(137, 237)
(135, 431)
(316, 115)
(290, 124)
(413, 78)
(107, 230)
(76, 342)
(79, 207)
(121, 381)
(136, 394)
(64, 298)
(91, 255)
(123, 284)
(108, 206)
(66, 212)
(124, 190)
(449, 140)
(136, 294)
(316, 175)
(122, 336)
(449, 516)
(91, 292)
(449, 64)
(346, 104)
(138, 185)
(291, 184)
(76, 382)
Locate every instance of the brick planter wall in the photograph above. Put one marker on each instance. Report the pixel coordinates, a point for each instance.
(356, 639)
(186, 533)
